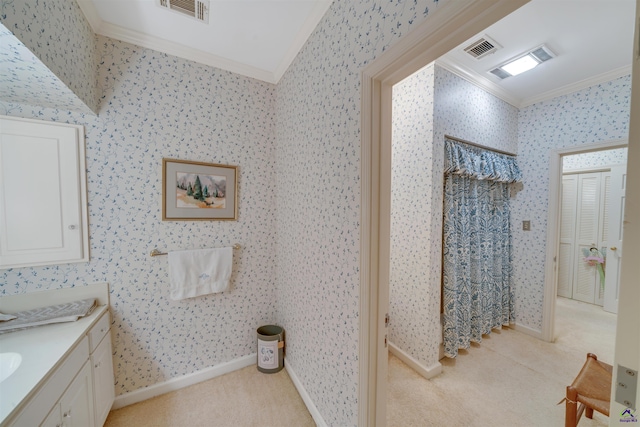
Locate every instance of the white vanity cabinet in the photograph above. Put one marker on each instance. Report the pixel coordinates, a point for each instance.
(75, 407)
(43, 200)
(102, 369)
(80, 391)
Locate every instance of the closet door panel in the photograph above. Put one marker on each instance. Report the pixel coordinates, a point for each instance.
(587, 221)
(567, 235)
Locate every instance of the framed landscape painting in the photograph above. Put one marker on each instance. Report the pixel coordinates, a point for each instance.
(198, 191)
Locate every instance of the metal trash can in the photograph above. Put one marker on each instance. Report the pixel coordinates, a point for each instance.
(270, 349)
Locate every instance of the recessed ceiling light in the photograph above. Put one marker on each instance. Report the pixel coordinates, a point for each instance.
(522, 63)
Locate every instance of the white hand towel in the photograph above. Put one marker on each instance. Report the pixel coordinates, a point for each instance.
(199, 272)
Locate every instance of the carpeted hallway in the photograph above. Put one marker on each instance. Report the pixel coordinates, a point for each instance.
(511, 379)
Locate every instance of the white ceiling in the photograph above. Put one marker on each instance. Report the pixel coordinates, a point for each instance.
(255, 38)
(593, 41)
(260, 38)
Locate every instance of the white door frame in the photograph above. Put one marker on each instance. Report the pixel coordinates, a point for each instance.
(553, 228)
(448, 26)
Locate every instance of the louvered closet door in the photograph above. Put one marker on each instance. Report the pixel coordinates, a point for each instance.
(567, 235)
(603, 227)
(587, 221)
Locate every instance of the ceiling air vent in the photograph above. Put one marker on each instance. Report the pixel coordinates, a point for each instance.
(482, 47)
(198, 9)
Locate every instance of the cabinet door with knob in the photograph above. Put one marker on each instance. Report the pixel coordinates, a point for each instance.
(75, 408)
(43, 209)
(104, 391)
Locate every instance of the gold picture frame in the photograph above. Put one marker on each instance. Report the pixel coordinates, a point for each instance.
(198, 191)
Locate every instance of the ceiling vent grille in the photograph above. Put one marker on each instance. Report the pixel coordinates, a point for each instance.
(198, 9)
(482, 47)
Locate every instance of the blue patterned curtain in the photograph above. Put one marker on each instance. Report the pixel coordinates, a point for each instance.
(477, 288)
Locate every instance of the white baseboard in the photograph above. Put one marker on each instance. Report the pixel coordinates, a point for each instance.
(183, 381)
(527, 330)
(427, 372)
(313, 410)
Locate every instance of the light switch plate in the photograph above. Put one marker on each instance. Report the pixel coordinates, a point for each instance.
(526, 225)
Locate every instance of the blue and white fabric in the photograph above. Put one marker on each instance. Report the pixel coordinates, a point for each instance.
(477, 273)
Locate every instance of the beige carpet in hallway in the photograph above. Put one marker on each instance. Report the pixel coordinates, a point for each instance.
(242, 398)
(510, 379)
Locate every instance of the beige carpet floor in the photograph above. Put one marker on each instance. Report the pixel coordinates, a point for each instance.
(510, 379)
(245, 397)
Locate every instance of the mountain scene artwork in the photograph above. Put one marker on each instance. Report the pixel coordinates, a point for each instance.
(200, 191)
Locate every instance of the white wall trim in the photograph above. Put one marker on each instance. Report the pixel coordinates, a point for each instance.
(489, 86)
(479, 81)
(553, 220)
(313, 410)
(184, 381)
(181, 51)
(427, 372)
(577, 86)
(527, 330)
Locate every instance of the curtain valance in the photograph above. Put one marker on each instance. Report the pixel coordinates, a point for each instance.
(479, 164)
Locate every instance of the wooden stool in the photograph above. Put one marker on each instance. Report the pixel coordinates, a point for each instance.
(591, 390)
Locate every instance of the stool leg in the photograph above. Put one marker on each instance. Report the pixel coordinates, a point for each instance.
(588, 412)
(571, 410)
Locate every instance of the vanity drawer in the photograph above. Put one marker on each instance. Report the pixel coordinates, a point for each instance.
(99, 330)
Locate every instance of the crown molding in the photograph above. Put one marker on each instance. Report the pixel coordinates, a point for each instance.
(477, 80)
(577, 86)
(182, 51)
(91, 13)
(495, 90)
(123, 34)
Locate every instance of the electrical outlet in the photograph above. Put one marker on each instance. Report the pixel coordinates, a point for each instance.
(526, 225)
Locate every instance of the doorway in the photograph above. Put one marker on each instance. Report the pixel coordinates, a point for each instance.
(409, 54)
(455, 23)
(590, 239)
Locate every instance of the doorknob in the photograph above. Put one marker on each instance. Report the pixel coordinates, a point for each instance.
(613, 248)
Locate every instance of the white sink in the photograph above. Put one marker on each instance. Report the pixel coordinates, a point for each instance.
(9, 362)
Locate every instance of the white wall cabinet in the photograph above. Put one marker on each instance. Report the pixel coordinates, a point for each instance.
(43, 201)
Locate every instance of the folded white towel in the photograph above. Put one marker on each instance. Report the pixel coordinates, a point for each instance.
(199, 272)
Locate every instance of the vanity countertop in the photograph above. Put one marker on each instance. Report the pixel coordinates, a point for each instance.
(42, 349)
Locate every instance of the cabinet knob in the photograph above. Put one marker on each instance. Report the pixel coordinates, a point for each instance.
(67, 414)
(72, 227)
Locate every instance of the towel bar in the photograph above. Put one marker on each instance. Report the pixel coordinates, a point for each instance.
(156, 252)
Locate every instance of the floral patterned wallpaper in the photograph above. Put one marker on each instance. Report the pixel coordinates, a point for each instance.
(60, 36)
(596, 114)
(414, 305)
(298, 148)
(428, 105)
(154, 106)
(24, 79)
(593, 160)
(318, 187)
